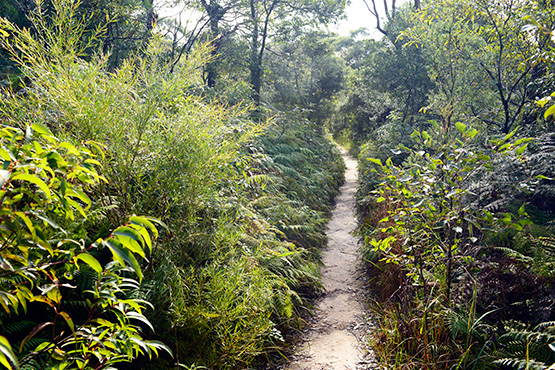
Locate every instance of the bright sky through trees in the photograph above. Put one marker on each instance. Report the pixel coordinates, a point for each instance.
(358, 16)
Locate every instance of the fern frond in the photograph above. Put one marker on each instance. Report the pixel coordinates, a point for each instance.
(521, 364)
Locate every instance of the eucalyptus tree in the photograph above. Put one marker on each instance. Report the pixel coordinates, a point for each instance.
(480, 61)
(305, 73)
(265, 16)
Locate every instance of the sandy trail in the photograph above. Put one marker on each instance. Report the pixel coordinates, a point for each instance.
(335, 338)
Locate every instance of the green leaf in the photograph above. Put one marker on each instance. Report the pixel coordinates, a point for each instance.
(148, 222)
(460, 126)
(375, 161)
(521, 150)
(35, 180)
(472, 133)
(41, 129)
(145, 234)
(70, 148)
(123, 256)
(89, 260)
(380, 199)
(509, 135)
(43, 346)
(141, 318)
(130, 244)
(415, 136)
(522, 209)
(68, 320)
(6, 155)
(426, 136)
(543, 101)
(549, 111)
(77, 206)
(6, 353)
(27, 221)
(74, 192)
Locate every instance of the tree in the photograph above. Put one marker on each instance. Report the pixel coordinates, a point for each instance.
(126, 24)
(305, 73)
(390, 11)
(263, 13)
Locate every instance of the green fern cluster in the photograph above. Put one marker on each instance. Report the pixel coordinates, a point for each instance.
(527, 348)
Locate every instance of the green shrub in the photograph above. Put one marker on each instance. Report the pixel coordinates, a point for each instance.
(44, 186)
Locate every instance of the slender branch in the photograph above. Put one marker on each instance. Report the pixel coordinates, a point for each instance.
(376, 15)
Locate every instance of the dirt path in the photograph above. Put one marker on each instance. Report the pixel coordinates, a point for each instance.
(335, 339)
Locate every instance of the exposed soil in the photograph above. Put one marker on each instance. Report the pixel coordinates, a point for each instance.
(335, 338)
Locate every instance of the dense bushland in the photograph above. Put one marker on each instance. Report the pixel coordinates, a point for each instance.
(224, 263)
(451, 120)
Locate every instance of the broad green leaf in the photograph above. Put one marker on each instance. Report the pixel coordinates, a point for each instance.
(6, 154)
(77, 206)
(139, 317)
(68, 320)
(39, 298)
(43, 346)
(55, 295)
(145, 234)
(7, 356)
(416, 136)
(549, 111)
(130, 244)
(375, 161)
(47, 220)
(472, 133)
(148, 222)
(89, 260)
(74, 192)
(521, 150)
(70, 148)
(426, 136)
(460, 126)
(509, 135)
(41, 129)
(522, 209)
(28, 223)
(123, 256)
(33, 179)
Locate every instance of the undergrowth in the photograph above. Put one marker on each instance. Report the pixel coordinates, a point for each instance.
(461, 274)
(245, 203)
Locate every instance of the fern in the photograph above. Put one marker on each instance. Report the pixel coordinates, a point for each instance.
(521, 364)
(528, 348)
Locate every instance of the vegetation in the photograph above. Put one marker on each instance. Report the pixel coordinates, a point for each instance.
(454, 201)
(165, 185)
(222, 267)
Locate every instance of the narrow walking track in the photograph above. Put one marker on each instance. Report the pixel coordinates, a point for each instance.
(335, 339)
